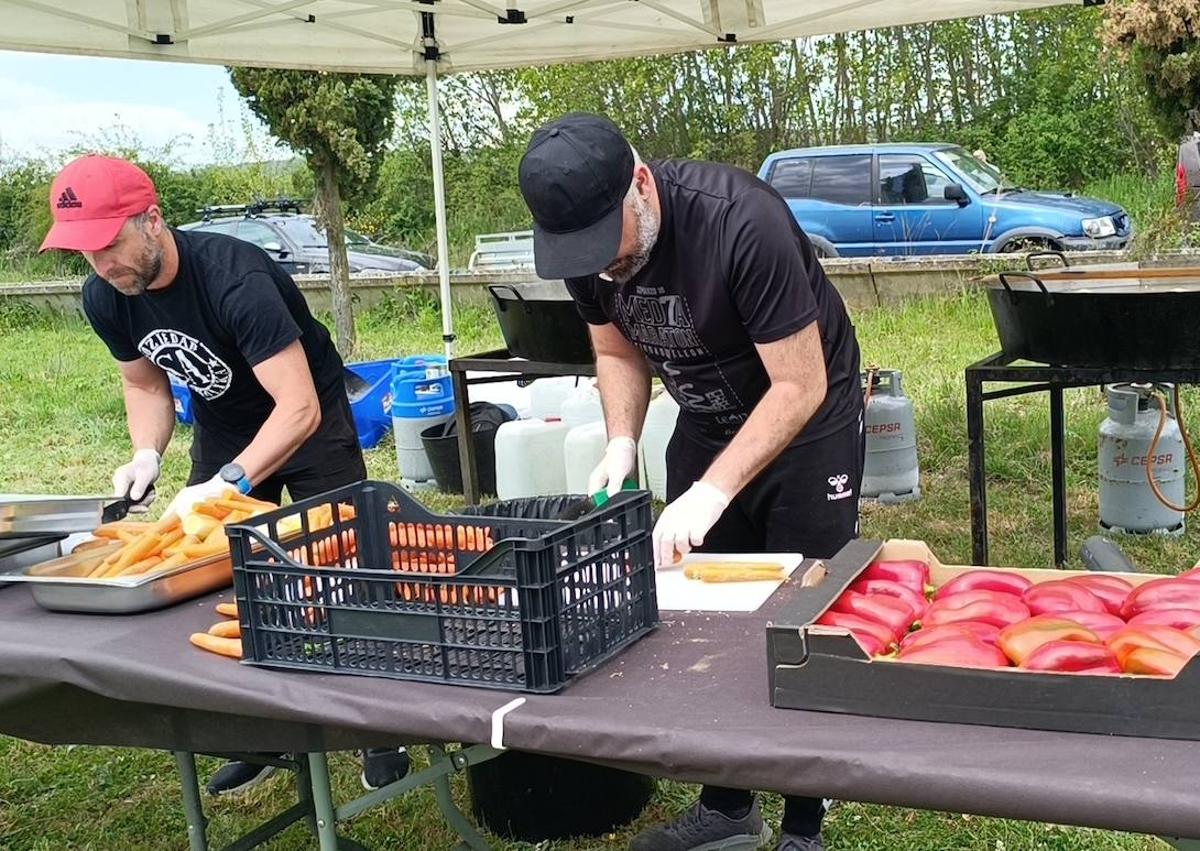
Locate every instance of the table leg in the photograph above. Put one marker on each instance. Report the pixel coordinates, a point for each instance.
(323, 802)
(194, 811)
(466, 445)
(471, 839)
(976, 475)
(1058, 433)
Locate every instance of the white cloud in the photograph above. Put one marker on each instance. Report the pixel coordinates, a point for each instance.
(36, 121)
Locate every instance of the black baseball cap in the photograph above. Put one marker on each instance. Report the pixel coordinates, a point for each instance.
(574, 175)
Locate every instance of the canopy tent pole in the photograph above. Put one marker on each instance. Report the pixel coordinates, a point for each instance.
(439, 184)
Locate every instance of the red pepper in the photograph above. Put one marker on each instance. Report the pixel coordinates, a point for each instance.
(965, 598)
(1000, 611)
(873, 637)
(1101, 623)
(1169, 593)
(908, 572)
(1021, 640)
(928, 635)
(1154, 662)
(1061, 596)
(1077, 657)
(1112, 590)
(984, 580)
(1183, 619)
(1193, 574)
(1157, 637)
(887, 587)
(963, 651)
(892, 612)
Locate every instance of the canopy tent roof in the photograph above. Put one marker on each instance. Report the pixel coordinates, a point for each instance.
(390, 36)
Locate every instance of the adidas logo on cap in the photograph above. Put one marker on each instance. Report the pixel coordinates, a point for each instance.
(68, 200)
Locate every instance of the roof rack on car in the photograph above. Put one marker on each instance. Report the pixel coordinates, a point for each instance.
(254, 208)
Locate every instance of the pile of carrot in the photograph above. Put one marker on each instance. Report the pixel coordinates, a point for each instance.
(171, 542)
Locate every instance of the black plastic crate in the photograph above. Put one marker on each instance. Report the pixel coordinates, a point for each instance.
(365, 580)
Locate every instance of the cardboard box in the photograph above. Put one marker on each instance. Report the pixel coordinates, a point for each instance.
(822, 668)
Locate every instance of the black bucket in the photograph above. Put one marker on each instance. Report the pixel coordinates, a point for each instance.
(441, 447)
(531, 798)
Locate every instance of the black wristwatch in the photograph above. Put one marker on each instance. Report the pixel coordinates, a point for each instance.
(236, 476)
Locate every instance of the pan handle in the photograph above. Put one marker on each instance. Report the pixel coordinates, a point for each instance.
(1049, 253)
(1004, 276)
(492, 288)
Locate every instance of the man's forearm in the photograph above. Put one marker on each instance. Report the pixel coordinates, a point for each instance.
(779, 416)
(624, 384)
(150, 414)
(284, 431)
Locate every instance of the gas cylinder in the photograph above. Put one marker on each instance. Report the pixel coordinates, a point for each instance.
(1127, 502)
(890, 471)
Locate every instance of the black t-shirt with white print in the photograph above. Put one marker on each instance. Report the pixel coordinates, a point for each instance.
(229, 308)
(731, 268)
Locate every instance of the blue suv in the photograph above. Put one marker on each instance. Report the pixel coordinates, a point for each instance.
(904, 199)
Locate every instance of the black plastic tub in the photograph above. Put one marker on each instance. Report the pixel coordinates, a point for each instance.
(1133, 318)
(539, 322)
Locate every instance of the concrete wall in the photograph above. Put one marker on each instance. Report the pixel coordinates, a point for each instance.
(863, 282)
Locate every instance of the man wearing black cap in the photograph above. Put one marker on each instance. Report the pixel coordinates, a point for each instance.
(698, 273)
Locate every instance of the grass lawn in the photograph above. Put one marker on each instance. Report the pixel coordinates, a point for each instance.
(63, 431)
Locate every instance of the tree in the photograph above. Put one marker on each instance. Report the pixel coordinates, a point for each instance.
(1162, 38)
(340, 124)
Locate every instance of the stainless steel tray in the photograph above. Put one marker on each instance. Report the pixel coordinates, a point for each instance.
(58, 586)
(28, 514)
(16, 554)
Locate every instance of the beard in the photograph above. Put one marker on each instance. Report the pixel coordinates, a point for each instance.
(133, 281)
(623, 269)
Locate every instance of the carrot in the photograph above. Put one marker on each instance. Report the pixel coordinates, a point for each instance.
(199, 525)
(136, 551)
(199, 551)
(216, 537)
(211, 510)
(167, 523)
(140, 567)
(229, 610)
(226, 629)
(231, 647)
(169, 563)
(169, 538)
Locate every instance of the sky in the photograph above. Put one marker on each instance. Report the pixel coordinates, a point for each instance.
(52, 103)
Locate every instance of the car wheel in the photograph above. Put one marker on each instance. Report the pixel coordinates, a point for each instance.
(1027, 244)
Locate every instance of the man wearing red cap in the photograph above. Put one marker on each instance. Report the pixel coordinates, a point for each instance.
(222, 317)
(697, 272)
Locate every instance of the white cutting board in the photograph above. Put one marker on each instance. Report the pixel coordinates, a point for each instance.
(677, 593)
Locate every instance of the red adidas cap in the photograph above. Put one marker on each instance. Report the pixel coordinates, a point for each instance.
(91, 198)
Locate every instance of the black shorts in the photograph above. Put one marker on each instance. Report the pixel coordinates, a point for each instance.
(806, 501)
(327, 460)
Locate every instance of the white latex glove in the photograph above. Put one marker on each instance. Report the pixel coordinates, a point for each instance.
(617, 465)
(136, 477)
(684, 523)
(192, 494)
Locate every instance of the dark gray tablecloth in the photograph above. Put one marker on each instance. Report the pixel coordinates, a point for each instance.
(688, 701)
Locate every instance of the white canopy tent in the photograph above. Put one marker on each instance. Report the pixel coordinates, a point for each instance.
(432, 37)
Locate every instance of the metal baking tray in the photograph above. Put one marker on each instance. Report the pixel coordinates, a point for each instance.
(28, 514)
(58, 586)
(16, 554)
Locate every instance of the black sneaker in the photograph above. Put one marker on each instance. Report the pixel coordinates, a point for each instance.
(702, 829)
(237, 778)
(792, 842)
(381, 766)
